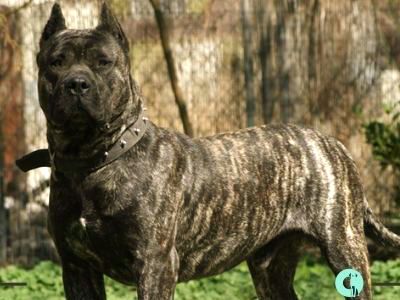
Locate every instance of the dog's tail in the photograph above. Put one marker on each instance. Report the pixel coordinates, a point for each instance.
(377, 231)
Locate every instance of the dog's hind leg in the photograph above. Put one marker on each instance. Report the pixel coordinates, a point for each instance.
(273, 267)
(349, 251)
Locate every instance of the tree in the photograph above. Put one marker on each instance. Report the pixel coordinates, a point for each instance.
(172, 72)
(318, 59)
(247, 40)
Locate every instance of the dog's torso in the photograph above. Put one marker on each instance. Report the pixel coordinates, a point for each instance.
(214, 200)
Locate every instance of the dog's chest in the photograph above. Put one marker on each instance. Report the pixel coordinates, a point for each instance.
(98, 232)
(97, 243)
(78, 240)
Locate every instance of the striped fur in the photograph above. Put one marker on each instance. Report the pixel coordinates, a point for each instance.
(172, 208)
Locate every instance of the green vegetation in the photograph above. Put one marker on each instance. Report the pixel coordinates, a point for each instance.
(384, 137)
(313, 281)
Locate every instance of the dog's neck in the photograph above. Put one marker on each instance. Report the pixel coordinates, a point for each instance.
(95, 139)
(77, 165)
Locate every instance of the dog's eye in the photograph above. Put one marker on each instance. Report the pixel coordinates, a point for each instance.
(57, 62)
(104, 62)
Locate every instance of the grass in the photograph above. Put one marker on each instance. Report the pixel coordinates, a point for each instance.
(313, 281)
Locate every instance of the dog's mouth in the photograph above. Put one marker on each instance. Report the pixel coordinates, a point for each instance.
(70, 113)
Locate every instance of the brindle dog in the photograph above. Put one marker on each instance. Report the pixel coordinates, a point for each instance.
(172, 208)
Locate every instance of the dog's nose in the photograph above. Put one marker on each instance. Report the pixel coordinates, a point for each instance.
(77, 86)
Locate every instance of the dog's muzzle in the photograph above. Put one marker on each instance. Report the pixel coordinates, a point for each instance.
(78, 86)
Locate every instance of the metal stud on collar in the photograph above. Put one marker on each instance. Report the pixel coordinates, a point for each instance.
(123, 143)
(145, 119)
(136, 130)
(106, 154)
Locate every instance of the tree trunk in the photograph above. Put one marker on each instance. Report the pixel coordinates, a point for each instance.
(248, 60)
(173, 74)
(3, 216)
(311, 54)
(267, 99)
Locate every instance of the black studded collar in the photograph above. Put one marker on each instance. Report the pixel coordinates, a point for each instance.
(43, 157)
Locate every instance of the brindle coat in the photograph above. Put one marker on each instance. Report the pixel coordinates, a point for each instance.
(174, 208)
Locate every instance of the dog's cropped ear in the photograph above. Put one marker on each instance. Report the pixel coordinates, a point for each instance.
(108, 22)
(55, 24)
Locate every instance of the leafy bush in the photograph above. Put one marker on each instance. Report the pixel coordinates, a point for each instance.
(384, 137)
(385, 141)
(313, 281)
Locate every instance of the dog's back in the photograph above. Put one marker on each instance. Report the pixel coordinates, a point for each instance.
(249, 187)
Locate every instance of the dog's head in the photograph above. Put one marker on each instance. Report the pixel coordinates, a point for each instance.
(84, 75)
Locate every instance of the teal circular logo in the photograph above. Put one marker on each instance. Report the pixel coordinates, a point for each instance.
(356, 283)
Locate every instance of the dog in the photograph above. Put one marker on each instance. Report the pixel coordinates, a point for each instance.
(151, 207)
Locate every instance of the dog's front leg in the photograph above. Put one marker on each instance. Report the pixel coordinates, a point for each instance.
(82, 283)
(159, 276)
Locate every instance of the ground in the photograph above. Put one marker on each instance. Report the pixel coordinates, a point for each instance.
(313, 280)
